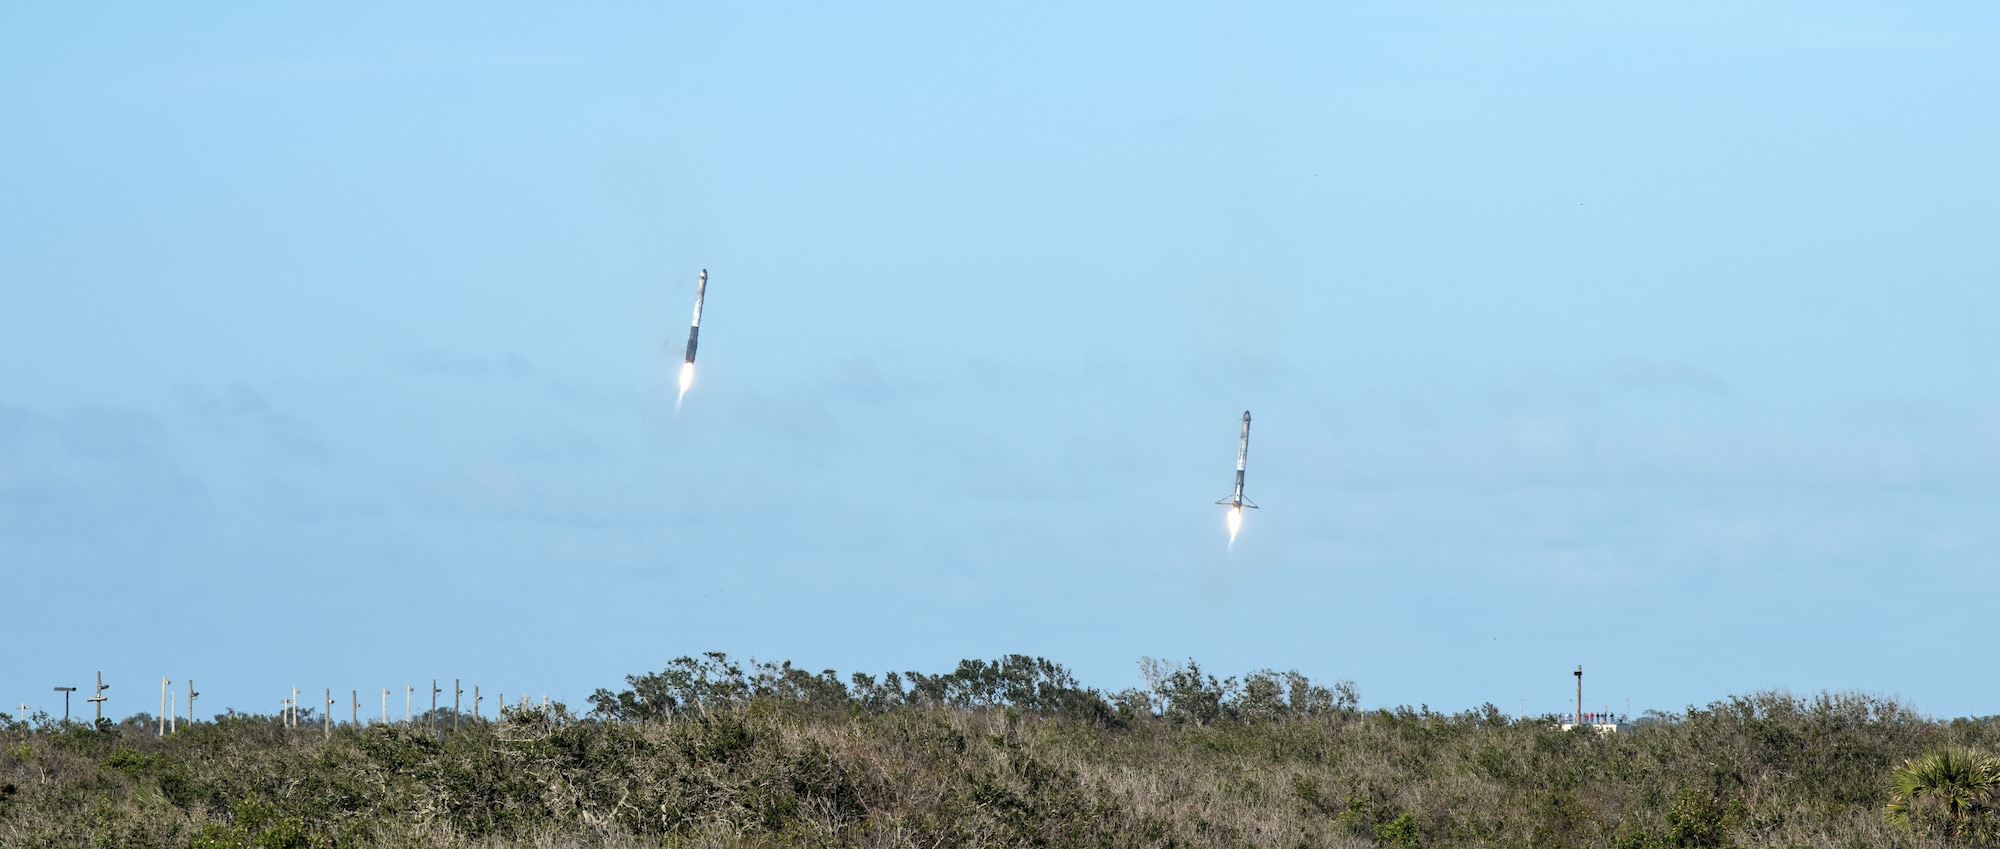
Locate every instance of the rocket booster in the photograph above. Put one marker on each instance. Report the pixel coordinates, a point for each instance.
(694, 329)
(1236, 499)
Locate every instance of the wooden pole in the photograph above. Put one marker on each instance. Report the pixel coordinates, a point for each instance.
(191, 697)
(163, 705)
(357, 707)
(385, 705)
(326, 722)
(97, 699)
(456, 691)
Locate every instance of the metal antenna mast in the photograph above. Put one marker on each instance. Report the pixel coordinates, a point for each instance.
(1579, 694)
(65, 691)
(97, 700)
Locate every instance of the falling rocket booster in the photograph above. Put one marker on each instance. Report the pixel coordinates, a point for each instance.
(1236, 501)
(694, 334)
(694, 330)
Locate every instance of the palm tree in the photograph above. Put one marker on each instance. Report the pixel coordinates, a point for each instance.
(1955, 783)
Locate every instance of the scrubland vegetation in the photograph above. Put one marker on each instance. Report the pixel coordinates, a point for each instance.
(1010, 753)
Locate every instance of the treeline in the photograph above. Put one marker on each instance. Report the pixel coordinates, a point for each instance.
(1011, 752)
(1176, 692)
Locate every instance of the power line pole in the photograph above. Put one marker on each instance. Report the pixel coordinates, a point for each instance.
(385, 705)
(456, 691)
(163, 705)
(65, 691)
(434, 703)
(295, 709)
(475, 702)
(326, 722)
(97, 700)
(407, 692)
(191, 697)
(173, 710)
(356, 694)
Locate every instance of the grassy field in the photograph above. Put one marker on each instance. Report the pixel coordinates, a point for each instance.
(701, 755)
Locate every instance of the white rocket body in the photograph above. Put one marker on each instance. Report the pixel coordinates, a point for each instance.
(694, 328)
(1236, 500)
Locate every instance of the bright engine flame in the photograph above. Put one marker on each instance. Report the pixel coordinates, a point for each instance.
(1235, 524)
(687, 380)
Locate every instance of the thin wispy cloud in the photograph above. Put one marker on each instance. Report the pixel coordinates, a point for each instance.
(454, 364)
(239, 410)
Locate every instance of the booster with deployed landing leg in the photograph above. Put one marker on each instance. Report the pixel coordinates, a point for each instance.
(1236, 501)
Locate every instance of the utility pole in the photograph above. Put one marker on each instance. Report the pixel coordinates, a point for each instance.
(24, 713)
(65, 691)
(173, 710)
(456, 691)
(97, 700)
(385, 705)
(326, 722)
(407, 691)
(434, 702)
(1579, 694)
(475, 702)
(163, 705)
(356, 694)
(191, 696)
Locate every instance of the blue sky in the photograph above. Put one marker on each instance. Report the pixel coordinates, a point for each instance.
(337, 348)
